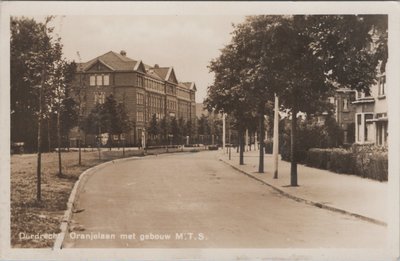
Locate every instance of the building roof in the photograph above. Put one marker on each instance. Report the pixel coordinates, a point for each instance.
(120, 62)
(190, 85)
(112, 60)
(161, 71)
(153, 74)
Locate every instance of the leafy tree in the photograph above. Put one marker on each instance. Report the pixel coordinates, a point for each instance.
(182, 129)
(175, 130)
(164, 129)
(94, 124)
(122, 124)
(35, 71)
(69, 115)
(61, 77)
(300, 58)
(78, 93)
(227, 94)
(153, 127)
(189, 130)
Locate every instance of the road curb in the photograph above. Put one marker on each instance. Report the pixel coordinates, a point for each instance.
(70, 204)
(58, 244)
(309, 202)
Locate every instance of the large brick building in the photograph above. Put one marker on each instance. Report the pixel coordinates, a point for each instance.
(145, 91)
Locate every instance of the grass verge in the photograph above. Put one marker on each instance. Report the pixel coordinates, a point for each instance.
(30, 218)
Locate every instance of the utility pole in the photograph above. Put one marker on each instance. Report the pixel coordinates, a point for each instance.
(229, 137)
(246, 140)
(223, 132)
(276, 137)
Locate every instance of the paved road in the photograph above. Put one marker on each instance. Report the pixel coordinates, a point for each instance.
(194, 200)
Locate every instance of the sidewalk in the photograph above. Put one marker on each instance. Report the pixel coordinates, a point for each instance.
(339, 192)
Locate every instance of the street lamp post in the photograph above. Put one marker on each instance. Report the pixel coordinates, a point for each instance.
(223, 132)
(276, 136)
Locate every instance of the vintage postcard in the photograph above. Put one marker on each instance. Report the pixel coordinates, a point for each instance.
(200, 130)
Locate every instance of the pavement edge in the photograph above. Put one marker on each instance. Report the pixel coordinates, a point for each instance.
(70, 204)
(309, 202)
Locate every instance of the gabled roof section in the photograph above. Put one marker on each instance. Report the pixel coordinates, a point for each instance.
(96, 62)
(154, 75)
(161, 71)
(171, 77)
(139, 66)
(112, 60)
(190, 85)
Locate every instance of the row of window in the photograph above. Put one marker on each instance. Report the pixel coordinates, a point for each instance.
(171, 105)
(171, 89)
(140, 98)
(367, 132)
(140, 116)
(155, 101)
(183, 94)
(99, 80)
(104, 80)
(149, 84)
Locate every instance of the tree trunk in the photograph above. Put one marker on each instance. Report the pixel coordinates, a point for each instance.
(39, 153)
(241, 147)
(79, 147)
(123, 147)
(48, 134)
(59, 143)
(261, 137)
(293, 149)
(39, 141)
(98, 143)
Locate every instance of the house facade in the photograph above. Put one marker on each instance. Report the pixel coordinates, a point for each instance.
(345, 113)
(143, 89)
(371, 119)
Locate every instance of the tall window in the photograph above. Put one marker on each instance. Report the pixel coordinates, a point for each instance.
(382, 83)
(92, 80)
(345, 105)
(99, 97)
(106, 79)
(359, 124)
(140, 116)
(368, 128)
(99, 80)
(139, 98)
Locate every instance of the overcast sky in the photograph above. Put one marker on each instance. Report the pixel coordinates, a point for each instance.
(188, 43)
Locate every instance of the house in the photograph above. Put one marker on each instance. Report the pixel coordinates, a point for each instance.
(371, 116)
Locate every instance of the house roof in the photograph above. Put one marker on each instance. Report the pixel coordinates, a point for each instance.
(162, 72)
(117, 62)
(190, 85)
(112, 60)
(153, 74)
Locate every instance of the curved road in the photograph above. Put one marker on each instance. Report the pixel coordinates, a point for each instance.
(194, 200)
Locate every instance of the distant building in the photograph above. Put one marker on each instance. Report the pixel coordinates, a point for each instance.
(145, 91)
(345, 113)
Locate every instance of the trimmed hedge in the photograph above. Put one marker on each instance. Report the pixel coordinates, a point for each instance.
(364, 161)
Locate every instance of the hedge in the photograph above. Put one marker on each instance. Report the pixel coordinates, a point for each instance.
(364, 161)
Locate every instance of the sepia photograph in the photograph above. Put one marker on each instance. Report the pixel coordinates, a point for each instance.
(168, 130)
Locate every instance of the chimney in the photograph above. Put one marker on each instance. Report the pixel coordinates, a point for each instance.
(122, 52)
(156, 66)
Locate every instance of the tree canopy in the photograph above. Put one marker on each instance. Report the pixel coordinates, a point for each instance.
(301, 58)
